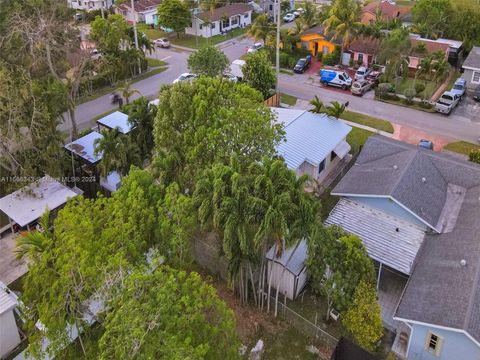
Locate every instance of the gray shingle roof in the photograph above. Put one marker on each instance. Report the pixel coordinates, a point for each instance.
(473, 59)
(418, 179)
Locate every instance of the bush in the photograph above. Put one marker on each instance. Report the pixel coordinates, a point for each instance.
(319, 56)
(383, 89)
(409, 95)
(425, 105)
(332, 58)
(474, 156)
(419, 87)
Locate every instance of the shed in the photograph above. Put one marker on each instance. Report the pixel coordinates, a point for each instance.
(84, 147)
(9, 335)
(114, 120)
(28, 204)
(288, 271)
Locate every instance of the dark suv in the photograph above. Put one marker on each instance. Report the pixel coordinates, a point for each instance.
(303, 64)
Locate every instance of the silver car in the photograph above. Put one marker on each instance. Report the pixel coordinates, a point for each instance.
(360, 87)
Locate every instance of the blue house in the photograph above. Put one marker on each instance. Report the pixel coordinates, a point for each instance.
(418, 214)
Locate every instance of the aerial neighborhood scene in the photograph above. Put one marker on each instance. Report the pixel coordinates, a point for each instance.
(263, 179)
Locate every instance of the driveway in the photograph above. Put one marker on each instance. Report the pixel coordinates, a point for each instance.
(468, 108)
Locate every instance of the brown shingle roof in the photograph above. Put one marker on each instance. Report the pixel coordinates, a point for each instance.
(365, 45)
(141, 5)
(431, 46)
(224, 11)
(389, 10)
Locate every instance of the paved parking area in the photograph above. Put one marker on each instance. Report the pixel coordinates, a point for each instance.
(469, 109)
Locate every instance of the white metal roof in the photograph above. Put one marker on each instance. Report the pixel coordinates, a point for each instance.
(84, 147)
(29, 203)
(286, 116)
(388, 239)
(293, 262)
(7, 300)
(111, 182)
(116, 120)
(310, 137)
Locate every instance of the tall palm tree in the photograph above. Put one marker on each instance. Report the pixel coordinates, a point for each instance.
(34, 243)
(310, 15)
(127, 92)
(261, 28)
(141, 118)
(343, 21)
(335, 109)
(318, 107)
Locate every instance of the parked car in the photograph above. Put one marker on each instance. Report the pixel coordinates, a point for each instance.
(95, 54)
(335, 78)
(360, 87)
(254, 48)
(447, 102)
(362, 72)
(296, 14)
(185, 77)
(303, 64)
(78, 16)
(300, 10)
(374, 78)
(459, 87)
(476, 94)
(425, 144)
(289, 18)
(162, 42)
(236, 68)
(230, 77)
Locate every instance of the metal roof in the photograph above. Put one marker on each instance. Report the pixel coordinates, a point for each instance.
(286, 116)
(292, 262)
(7, 300)
(116, 120)
(84, 147)
(309, 137)
(29, 203)
(387, 238)
(112, 181)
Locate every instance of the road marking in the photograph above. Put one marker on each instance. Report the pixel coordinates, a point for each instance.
(166, 58)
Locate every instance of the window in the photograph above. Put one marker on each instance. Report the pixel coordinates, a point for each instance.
(226, 23)
(321, 167)
(212, 25)
(341, 77)
(245, 16)
(271, 7)
(360, 58)
(333, 155)
(234, 21)
(200, 26)
(476, 77)
(433, 343)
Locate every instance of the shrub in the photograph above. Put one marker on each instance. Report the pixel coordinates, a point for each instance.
(332, 58)
(419, 87)
(409, 95)
(474, 156)
(383, 89)
(425, 105)
(319, 56)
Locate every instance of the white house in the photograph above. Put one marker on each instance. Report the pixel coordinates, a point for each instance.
(143, 11)
(220, 20)
(9, 335)
(314, 144)
(90, 4)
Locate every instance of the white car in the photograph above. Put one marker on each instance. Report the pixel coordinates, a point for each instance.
(163, 42)
(95, 54)
(254, 48)
(230, 77)
(185, 77)
(296, 14)
(362, 73)
(300, 10)
(289, 18)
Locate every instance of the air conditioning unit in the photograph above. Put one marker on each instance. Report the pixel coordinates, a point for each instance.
(334, 314)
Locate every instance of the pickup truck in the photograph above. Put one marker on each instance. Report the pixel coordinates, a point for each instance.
(447, 102)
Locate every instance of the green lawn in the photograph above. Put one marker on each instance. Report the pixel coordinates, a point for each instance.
(462, 147)
(357, 137)
(288, 99)
(287, 344)
(190, 41)
(400, 102)
(430, 87)
(152, 34)
(155, 62)
(367, 120)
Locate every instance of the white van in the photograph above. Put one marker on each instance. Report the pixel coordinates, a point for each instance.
(335, 78)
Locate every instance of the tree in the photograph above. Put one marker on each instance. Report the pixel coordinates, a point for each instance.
(258, 72)
(168, 314)
(174, 14)
(335, 109)
(118, 152)
(208, 61)
(309, 17)
(109, 33)
(208, 121)
(284, 6)
(34, 243)
(394, 51)
(141, 117)
(317, 105)
(432, 16)
(127, 91)
(363, 320)
(474, 155)
(343, 21)
(261, 28)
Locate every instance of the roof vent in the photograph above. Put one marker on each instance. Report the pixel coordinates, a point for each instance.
(463, 262)
(424, 180)
(395, 167)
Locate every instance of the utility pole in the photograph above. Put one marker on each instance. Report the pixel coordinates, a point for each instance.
(135, 35)
(277, 52)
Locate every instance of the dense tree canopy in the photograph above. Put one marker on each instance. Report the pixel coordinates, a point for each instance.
(207, 121)
(258, 72)
(208, 61)
(109, 33)
(174, 14)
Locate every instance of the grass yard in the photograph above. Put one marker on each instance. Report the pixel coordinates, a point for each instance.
(155, 62)
(357, 138)
(461, 147)
(286, 344)
(367, 120)
(152, 34)
(400, 102)
(288, 99)
(190, 41)
(430, 87)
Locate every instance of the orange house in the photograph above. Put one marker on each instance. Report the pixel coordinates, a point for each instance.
(315, 41)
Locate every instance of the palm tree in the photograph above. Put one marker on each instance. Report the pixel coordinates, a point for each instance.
(318, 107)
(310, 15)
(335, 109)
(34, 243)
(343, 22)
(127, 92)
(261, 28)
(141, 118)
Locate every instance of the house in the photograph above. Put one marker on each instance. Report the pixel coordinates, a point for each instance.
(471, 68)
(420, 47)
(143, 11)
(314, 143)
(9, 334)
(288, 272)
(89, 5)
(220, 20)
(26, 206)
(364, 50)
(386, 9)
(268, 7)
(114, 120)
(315, 41)
(416, 211)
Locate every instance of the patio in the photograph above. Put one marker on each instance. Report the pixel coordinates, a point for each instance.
(10, 268)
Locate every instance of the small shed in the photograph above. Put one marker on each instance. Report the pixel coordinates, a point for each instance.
(288, 271)
(111, 182)
(84, 147)
(114, 120)
(9, 335)
(28, 204)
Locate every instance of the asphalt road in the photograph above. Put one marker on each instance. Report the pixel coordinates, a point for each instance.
(459, 125)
